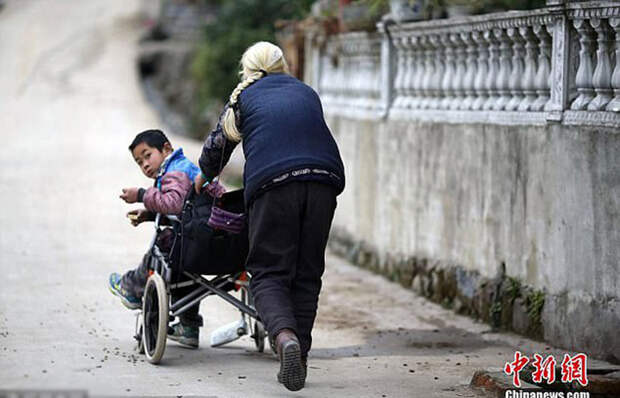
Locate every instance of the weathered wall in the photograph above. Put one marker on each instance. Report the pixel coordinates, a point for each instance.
(491, 220)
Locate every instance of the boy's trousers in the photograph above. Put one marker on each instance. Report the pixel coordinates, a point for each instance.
(288, 230)
(134, 281)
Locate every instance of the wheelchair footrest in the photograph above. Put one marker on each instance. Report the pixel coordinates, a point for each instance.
(229, 333)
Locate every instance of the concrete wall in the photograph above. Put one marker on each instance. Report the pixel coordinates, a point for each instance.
(534, 205)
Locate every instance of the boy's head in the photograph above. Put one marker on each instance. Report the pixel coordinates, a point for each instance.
(149, 149)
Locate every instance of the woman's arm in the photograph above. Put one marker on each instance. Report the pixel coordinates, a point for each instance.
(213, 158)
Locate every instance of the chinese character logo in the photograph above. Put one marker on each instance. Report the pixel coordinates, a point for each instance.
(513, 368)
(544, 370)
(575, 369)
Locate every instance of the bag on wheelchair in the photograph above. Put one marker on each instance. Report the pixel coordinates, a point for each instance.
(204, 250)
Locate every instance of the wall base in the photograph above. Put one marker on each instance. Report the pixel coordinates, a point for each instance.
(504, 302)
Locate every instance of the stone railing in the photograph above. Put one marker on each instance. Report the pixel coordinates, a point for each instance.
(349, 67)
(555, 64)
(501, 64)
(597, 79)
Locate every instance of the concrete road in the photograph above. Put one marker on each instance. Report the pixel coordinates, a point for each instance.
(69, 106)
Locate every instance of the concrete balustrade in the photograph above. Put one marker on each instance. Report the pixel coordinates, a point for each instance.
(525, 67)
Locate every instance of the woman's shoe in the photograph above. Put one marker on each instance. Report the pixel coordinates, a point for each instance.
(292, 372)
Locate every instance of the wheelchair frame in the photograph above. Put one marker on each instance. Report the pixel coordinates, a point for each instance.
(157, 310)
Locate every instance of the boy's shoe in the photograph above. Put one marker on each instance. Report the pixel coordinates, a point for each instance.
(128, 300)
(184, 335)
(292, 370)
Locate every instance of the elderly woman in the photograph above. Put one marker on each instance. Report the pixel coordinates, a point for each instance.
(293, 173)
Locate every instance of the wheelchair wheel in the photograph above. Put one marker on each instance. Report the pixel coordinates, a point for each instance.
(259, 336)
(155, 318)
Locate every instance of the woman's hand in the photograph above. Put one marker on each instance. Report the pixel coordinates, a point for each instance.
(138, 216)
(213, 188)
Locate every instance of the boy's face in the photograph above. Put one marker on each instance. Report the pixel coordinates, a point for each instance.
(149, 158)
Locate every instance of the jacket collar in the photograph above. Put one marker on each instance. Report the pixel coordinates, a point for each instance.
(178, 153)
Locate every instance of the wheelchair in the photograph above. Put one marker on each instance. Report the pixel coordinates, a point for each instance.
(203, 262)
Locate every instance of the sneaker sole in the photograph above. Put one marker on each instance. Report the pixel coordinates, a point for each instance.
(126, 303)
(291, 370)
(184, 341)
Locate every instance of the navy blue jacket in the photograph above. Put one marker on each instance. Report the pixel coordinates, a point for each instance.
(285, 138)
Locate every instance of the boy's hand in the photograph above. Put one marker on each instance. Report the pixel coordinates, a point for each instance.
(199, 181)
(137, 216)
(130, 195)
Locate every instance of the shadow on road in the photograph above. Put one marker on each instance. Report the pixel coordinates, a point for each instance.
(411, 342)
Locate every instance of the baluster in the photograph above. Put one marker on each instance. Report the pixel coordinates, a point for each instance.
(482, 69)
(412, 65)
(400, 72)
(327, 77)
(344, 80)
(363, 78)
(415, 85)
(355, 65)
(426, 55)
(543, 73)
(602, 73)
(418, 78)
(351, 78)
(438, 68)
(345, 91)
(335, 62)
(339, 82)
(428, 72)
(449, 73)
(516, 77)
(324, 78)
(376, 77)
(360, 66)
(367, 80)
(457, 82)
(490, 80)
(614, 105)
(529, 78)
(371, 76)
(351, 96)
(335, 83)
(326, 72)
(503, 77)
(583, 80)
(409, 71)
(470, 71)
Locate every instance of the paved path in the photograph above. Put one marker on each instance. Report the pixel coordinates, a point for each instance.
(69, 106)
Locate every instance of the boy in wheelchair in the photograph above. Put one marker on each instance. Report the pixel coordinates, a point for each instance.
(173, 174)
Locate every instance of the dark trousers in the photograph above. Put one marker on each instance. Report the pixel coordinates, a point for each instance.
(288, 230)
(134, 281)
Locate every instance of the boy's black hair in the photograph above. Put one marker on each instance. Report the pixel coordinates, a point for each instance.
(152, 138)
